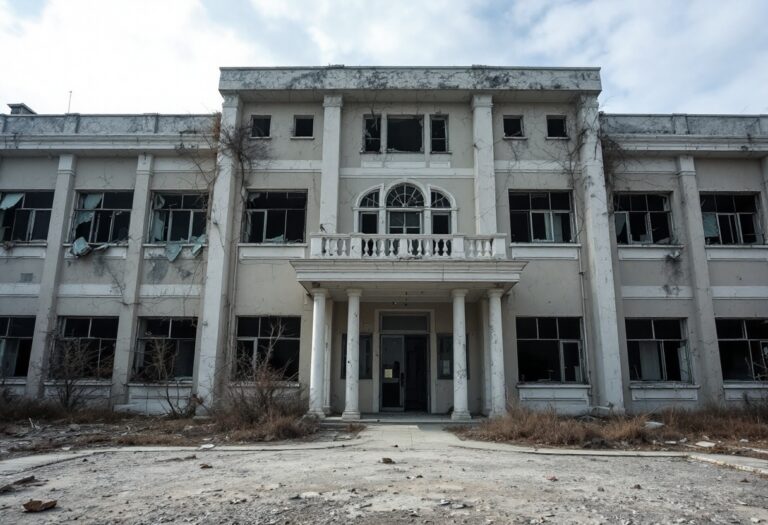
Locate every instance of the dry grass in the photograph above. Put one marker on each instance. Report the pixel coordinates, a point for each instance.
(549, 429)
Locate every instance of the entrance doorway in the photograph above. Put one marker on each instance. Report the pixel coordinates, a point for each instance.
(404, 372)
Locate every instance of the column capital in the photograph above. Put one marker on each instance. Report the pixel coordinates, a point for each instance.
(333, 101)
(495, 292)
(319, 291)
(685, 165)
(354, 292)
(67, 162)
(459, 292)
(482, 101)
(231, 101)
(145, 163)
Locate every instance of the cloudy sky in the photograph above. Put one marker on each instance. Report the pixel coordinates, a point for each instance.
(697, 56)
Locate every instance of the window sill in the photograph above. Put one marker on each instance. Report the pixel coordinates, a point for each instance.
(398, 152)
(760, 385)
(24, 251)
(552, 384)
(558, 138)
(441, 153)
(251, 384)
(80, 382)
(271, 251)
(110, 251)
(528, 251)
(729, 252)
(19, 381)
(545, 244)
(260, 138)
(514, 138)
(302, 138)
(628, 252)
(186, 382)
(676, 385)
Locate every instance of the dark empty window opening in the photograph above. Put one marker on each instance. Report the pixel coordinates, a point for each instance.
(178, 217)
(549, 349)
(540, 216)
(657, 350)
(365, 367)
(513, 127)
(260, 126)
(743, 345)
(24, 217)
(166, 349)
(15, 345)
(277, 217)
(730, 218)
(642, 218)
(439, 133)
(303, 127)
(274, 339)
(103, 217)
(405, 134)
(372, 134)
(556, 127)
(84, 348)
(445, 356)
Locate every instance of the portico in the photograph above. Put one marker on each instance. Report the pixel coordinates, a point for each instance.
(404, 314)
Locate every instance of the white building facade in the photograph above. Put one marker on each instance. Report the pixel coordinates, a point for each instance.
(439, 240)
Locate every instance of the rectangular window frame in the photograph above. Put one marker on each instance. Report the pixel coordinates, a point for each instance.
(140, 371)
(36, 216)
(754, 345)
(733, 218)
(661, 350)
(438, 140)
(96, 216)
(15, 345)
(561, 344)
(372, 135)
(296, 119)
(251, 219)
(259, 133)
(394, 118)
(445, 354)
(647, 218)
(564, 118)
(520, 119)
(253, 344)
(173, 214)
(365, 365)
(106, 346)
(548, 215)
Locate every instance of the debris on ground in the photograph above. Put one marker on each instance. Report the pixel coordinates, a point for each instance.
(552, 478)
(388, 461)
(653, 424)
(205, 465)
(21, 483)
(207, 446)
(705, 444)
(36, 505)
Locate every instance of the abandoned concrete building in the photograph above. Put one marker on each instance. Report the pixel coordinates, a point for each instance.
(441, 240)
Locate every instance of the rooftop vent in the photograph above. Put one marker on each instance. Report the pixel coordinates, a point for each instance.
(21, 109)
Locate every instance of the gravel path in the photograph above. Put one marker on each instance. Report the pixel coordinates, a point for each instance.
(432, 480)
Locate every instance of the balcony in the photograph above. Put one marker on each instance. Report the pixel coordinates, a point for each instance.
(360, 246)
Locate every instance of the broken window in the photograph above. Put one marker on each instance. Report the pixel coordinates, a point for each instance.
(260, 126)
(405, 134)
(165, 349)
(85, 348)
(276, 217)
(743, 345)
(540, 216)
(366, 356)
(513, 126)
(24, 217)
(445, 356)
(730, 218)
(642, 218)
(372, 134)
(276, 339)
(556, 127)
(303, 126)
(549, 349)
(439, 133)
(15, 345)
(658, 350)
(178, 217)
(103, 217)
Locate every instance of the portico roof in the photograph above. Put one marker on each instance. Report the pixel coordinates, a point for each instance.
(415, 280)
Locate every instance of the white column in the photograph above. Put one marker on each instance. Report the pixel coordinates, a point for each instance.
(210, 371)
(329, 174)
(460, 394)
(498, 380)
(485, 174)
(351, 403)
(126, 328)
(764, 196)
(317, 362)
(706, 362)
(484, 323)
(45, 322)
(327, 358)
(596, 239)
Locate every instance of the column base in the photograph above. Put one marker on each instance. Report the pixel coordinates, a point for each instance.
(350, 416)
(461, 416)
(327, 410)
(319, 414)
(497, 413)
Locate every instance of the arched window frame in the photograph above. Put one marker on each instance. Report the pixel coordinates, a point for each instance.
(427, 210)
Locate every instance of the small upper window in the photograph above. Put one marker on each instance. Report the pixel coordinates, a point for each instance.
(372, 134)
(439, 133)
(556, 127)
(260, 126)
(405, 134)
(303, 126)
(513, 127)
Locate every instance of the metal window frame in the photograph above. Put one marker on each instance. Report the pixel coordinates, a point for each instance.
(33, 216)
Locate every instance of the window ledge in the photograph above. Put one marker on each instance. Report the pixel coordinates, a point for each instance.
(545, 244)
(180, 382)
(25, 251)
(260, 138)
(441, 153)
(163, 245)
(250, 384)
(662, 385)
(527, 251)
(15, 381)
(398, 152)
(271, 251)
(302, 138)
(639, 246)
(545, 384)
(514, 138)
(81, 382)
(750, 385)
(558, 138)
(727, 252)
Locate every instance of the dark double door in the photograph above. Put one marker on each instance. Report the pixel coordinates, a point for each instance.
(404, 373)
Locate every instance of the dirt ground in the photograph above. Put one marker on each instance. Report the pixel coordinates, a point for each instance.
(433, 478)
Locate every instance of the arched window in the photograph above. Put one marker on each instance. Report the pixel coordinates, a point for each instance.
(405, 196)
(403, 209)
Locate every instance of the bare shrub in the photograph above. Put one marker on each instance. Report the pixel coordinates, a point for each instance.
(160, 369)
(74, 365)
